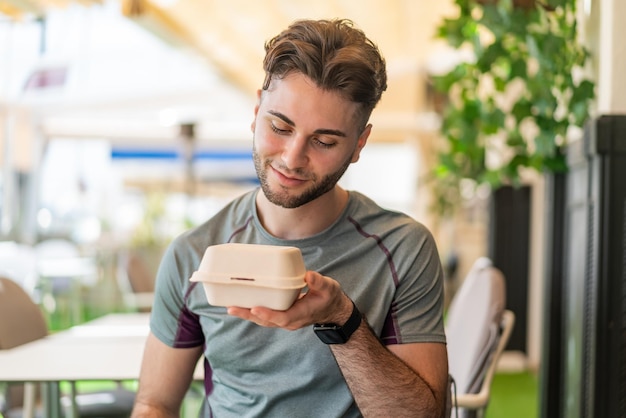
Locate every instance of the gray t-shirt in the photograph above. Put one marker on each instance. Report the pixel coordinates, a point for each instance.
(385, 261)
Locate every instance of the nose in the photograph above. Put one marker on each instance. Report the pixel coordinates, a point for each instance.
(294, 154)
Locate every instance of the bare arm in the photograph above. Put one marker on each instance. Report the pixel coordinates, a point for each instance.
(166, 374)
(398, 380)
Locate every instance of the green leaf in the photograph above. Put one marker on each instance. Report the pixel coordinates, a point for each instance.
(522, 109)
(518, 69)
(558, 3)
(452, 31)
(519, 160)
(520, 40)
(544, 106)
(505, 8)
(472, 110)
(515, 140)
(584, 91)
(533, 49)
(443, 83)
(545, 144)
(579, 112)
(493, 121)
(500, 83)
(491, 177)
(489, 56)
(556, 163)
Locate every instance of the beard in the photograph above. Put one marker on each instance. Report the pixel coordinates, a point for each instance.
(282, 197)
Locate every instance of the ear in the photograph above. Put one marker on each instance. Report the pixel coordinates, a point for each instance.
(256, 109)
(360, 143)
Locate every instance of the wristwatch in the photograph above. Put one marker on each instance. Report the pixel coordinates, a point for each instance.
(337, 334)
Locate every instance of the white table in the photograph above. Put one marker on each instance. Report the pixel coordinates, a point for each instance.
(108, 348)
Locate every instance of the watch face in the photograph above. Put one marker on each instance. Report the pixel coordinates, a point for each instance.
(335, 334)
(330, 334)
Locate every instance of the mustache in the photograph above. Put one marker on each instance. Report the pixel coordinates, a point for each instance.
(299, 172)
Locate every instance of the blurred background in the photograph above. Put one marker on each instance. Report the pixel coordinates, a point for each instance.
(125, 122)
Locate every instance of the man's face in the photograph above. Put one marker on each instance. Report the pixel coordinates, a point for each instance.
(304, 140)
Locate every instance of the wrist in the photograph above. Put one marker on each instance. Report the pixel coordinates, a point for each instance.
(333, 333)
(343, 314)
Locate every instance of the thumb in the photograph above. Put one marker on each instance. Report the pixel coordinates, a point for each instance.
(313, 280)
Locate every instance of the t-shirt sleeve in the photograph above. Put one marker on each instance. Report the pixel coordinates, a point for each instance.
(170, 320)
(416, 314)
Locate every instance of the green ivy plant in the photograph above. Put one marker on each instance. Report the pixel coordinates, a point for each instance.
(521, 94)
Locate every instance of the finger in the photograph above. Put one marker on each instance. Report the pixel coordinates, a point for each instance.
(248, 315)
(269, 316)
(296, 317)
(242, 313)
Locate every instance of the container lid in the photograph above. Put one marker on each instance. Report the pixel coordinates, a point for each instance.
(252, 265)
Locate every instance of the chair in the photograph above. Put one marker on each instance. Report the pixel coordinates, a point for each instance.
(136, 281)
(21, 322)
(478, 328)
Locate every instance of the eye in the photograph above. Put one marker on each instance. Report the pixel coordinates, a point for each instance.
(278, 130)
(317, 141)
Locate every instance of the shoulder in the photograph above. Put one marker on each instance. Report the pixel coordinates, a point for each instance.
(374, 219)
(216, 230)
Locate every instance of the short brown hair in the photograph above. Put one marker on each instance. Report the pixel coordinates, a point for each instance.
(334, 54)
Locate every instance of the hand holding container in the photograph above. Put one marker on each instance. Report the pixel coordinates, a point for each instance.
(249, 275)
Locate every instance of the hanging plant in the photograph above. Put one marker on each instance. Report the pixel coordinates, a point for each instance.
(514, 105)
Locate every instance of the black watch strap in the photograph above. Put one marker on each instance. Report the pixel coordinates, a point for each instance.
(338, 334)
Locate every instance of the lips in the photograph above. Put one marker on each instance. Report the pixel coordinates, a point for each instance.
(287, 180)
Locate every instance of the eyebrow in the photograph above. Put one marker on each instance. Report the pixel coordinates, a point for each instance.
(321, 131)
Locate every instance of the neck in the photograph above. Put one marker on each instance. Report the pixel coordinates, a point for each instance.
(303, 221)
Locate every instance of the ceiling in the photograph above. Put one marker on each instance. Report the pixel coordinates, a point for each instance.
(231, 33)
(228, 35)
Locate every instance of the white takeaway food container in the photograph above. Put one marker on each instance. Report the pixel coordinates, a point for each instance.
(248, 275)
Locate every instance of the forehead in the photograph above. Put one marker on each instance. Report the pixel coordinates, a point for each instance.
(300, 99)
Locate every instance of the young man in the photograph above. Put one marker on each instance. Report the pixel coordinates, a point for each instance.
(373, 272)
